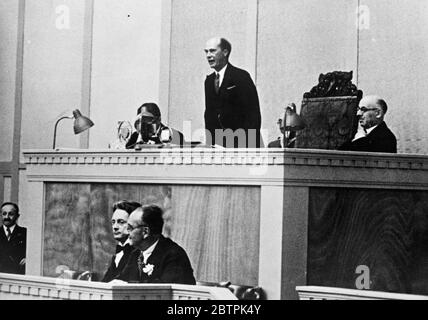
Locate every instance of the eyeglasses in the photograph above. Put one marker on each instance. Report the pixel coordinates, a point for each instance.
(131, 228)
(364, 109)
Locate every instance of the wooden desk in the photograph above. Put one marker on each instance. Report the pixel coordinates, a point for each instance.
(268, 217)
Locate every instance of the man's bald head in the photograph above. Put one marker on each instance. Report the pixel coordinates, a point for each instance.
(218, 52)
(371, 111)
(374, 101)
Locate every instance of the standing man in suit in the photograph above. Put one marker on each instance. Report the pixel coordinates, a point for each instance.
(156, 259)
(13, 240)
(119, 223)
(373, 135)
(232, 110)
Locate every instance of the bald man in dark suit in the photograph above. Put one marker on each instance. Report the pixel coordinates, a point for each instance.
(156, 259)
(231, 101)
(373, 134)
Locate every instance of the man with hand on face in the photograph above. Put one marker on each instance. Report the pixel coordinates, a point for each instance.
(119, 223)
(373, 135)
(156, 259)
(149, 125)
(13, 240)
(232, 110)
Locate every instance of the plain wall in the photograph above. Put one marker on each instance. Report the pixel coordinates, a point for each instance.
(8, 52)
(193, 23)
(393, 55)
(153, 51)
(52, 73)
(298, 40)
(125, 63)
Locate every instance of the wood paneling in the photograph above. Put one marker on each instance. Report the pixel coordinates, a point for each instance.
(386, 230)
(77, 222)
(218, 226)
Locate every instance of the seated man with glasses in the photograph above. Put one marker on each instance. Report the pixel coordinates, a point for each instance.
(373, 135)
(156, 259)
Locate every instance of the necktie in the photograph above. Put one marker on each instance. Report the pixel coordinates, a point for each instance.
(217, 82)
(140, 263)
(8, 233)
(124, 248)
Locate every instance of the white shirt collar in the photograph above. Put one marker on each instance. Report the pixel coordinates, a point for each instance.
(361, 133)
(11, 228)
(147, 253)
(120, 254)
(125, 243)
(221, 73)
(371, 129)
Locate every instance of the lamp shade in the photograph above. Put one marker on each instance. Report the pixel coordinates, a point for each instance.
(293, 122)
(81, 123)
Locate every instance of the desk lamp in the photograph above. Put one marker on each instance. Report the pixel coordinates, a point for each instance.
(81, 123)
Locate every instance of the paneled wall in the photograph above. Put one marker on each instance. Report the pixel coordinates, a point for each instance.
(150, 50)
(108, 56)
(384, 231)
(217, 226)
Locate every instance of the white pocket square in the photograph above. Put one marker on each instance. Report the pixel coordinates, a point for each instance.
(230, 88)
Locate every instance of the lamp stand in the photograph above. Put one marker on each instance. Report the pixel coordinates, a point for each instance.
(56, 125)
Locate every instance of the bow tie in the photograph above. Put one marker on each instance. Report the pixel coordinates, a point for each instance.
(125, 248)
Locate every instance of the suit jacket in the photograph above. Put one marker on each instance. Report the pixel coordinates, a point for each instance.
(113, 271)
(170, 261)
(13, 251)
(380, 139)
(275, 143)
(278, 142)
(236, 106)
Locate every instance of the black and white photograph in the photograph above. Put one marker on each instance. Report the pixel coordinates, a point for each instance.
(244, 151)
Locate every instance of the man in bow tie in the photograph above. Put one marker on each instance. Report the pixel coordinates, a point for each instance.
(156, 259)
(373, 134)
(13, 240)
(119, 223)
(232, 110)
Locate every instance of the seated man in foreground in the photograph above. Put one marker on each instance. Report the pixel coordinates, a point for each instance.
(119, 223)
(156, 259)
(373, 135)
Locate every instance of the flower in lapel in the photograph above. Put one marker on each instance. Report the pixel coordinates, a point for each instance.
(148, 268)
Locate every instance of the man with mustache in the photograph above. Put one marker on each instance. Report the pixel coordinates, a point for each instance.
(373, 135)
(119, 223)
(13, 240)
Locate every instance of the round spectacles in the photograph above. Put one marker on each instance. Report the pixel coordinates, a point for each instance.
(364, 109)
(131, 228)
